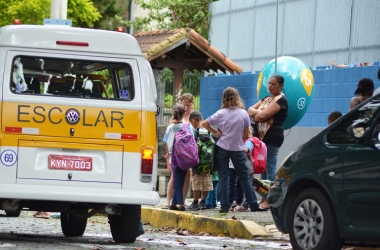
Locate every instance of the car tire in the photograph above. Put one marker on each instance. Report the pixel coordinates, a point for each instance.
(72, 226)
(312, 222)
(13, 213)
(125, 227)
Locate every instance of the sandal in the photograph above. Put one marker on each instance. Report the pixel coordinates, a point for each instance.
(259, 209)
(240, 209)
(165, 207)
(173, 207)
(265, 205)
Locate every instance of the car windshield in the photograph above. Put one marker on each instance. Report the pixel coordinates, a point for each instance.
(340, 134)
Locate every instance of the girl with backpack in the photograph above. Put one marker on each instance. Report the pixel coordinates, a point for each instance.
(187, 101)
(232, 120)
(178, 174)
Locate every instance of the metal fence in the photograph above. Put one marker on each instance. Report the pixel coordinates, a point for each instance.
(165, 99)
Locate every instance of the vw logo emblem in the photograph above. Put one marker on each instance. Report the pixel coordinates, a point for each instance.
(72, 116)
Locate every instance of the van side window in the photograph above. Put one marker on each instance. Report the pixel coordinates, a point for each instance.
(72, 78)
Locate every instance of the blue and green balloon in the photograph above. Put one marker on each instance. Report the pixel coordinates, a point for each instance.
(298, 86)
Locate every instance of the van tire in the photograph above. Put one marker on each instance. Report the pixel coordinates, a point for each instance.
(72, 226)
(125, 227)
(13, 213)
(312, 217)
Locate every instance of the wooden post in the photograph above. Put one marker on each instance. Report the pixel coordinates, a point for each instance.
(177, 86)
(160, 96)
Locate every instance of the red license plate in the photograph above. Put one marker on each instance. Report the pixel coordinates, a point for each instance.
(69, 162)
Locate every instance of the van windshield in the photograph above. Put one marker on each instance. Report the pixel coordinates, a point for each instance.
(71, 78)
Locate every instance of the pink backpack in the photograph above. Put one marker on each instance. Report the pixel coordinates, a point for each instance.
(258, 155)
(185, 149)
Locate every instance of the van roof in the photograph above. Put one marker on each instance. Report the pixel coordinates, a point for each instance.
(46, 37)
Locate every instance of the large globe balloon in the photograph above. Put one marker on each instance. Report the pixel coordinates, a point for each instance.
(298, 86)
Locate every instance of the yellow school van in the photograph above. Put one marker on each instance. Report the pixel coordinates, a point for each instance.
(78, 126)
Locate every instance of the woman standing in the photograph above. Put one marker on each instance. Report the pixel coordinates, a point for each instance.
(269, 114)
(234, 123)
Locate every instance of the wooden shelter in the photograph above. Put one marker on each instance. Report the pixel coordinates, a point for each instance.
(182, 49)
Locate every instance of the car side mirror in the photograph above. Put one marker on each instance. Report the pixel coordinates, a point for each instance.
(358, 130)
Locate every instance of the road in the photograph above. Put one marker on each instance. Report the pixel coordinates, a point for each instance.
(27, 232)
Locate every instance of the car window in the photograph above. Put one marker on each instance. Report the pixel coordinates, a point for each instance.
(340, 133)
(71, 78)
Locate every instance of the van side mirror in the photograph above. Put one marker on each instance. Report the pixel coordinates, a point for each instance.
(358, 130)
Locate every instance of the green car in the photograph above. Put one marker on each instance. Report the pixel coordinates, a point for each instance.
(327, 192)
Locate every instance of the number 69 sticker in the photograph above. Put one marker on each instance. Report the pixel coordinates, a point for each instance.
(8, 158)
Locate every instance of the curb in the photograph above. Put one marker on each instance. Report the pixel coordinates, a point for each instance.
(197, 223)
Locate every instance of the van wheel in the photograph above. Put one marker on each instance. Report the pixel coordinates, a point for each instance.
(13, 213)
(125, 227)
(312, 222)
(72, 226)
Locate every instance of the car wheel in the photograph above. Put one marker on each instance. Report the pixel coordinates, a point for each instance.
(312, 222)
(13, 213)
(125, 227)
(72, 226)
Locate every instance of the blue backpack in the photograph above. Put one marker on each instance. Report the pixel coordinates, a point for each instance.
(185, 149)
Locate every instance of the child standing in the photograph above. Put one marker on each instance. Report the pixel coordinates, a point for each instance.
(178, 173)
(201, 181)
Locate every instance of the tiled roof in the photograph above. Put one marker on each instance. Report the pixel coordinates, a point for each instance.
(183, 48)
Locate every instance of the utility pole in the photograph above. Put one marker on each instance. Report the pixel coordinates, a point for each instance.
(58, 9)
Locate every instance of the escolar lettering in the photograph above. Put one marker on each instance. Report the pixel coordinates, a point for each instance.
(55, 115)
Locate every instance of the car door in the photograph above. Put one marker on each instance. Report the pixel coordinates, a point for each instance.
(361, 179)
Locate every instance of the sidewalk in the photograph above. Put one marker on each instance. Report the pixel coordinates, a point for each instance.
(233, 224)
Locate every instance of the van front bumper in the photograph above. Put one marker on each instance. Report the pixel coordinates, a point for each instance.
(75, 194)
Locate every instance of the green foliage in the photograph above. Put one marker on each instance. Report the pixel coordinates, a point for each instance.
(29, 12)
(81, 12)
(171, 14)
(109, 10)
(168, 101)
